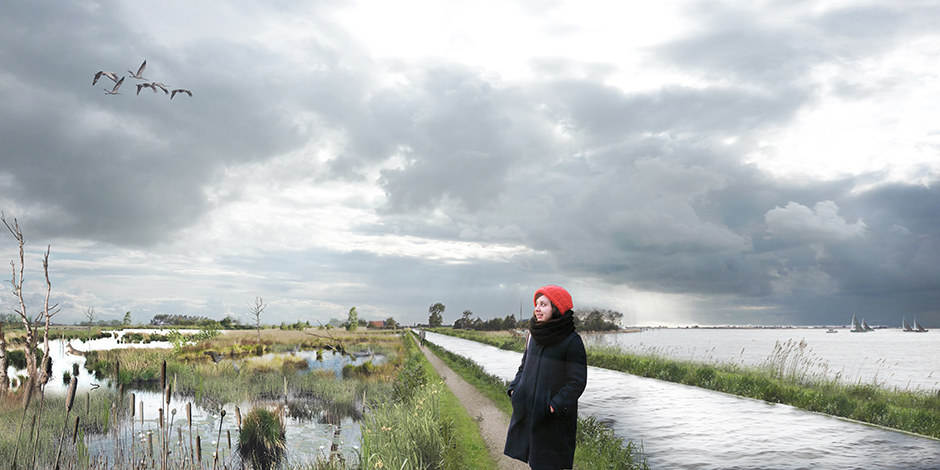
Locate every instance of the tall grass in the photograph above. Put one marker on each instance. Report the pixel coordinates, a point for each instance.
(407, 434)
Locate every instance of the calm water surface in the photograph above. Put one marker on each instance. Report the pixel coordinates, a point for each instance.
(306, 436)
(887, 357)
(682, 427)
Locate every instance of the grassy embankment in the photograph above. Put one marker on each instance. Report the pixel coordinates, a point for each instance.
(597, 446)
(404, 395)
(423, 426)
(784, 379)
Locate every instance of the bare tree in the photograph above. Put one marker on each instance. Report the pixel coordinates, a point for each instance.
(91, 315)
(29, 324)
(256, 310)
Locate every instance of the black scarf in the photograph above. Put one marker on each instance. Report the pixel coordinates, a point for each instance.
(550, 333)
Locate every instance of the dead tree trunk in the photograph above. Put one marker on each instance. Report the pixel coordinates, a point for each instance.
(47, 314)
(17, 283)
(256, 310)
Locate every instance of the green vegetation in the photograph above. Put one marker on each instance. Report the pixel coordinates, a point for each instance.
(401, 395)
(597, 446)
(424, 425)
(501, 339)
(262, 441)
(784, 379)
(40, 442)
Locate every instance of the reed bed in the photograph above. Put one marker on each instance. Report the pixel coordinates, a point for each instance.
(106, 428)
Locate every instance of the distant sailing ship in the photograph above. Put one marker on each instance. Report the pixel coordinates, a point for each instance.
(907, 327)
(857, 327)
(865, 324)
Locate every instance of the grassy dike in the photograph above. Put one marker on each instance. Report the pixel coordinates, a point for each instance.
(784, 380)
(424, 425)
(598, 448)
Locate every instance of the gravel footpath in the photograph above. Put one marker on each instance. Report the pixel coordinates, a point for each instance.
(493, 422)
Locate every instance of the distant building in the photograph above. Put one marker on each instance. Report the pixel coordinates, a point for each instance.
(377, 324)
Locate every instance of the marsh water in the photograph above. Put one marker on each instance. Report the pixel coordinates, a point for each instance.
(309, 432)
(683, 427)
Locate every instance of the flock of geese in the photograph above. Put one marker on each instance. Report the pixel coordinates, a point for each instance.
(139, 75)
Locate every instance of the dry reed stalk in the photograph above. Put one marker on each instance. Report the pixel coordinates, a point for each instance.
(32, 427)
(189, 419)
(75, 431)
(218, 440)
(179, 433)
(26, 402)
(68, 408)
(168, 394)
(133, 436)
(162, 443)
(117, 446)
(199, 450)
(34, 447)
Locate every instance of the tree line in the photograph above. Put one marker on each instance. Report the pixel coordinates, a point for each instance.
(585, 319)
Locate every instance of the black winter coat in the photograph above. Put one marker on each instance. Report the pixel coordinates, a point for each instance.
(548, 376)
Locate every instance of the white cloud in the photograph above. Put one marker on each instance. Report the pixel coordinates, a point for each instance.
(822, 224)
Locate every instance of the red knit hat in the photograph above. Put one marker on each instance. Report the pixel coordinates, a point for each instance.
(559, 297)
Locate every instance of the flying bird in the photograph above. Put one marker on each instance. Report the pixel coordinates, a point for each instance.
(144, 85)
(180, 90)
(156, 85)
(114, 91)
(140, 71)
(98, 75)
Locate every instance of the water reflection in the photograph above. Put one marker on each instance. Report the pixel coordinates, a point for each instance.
(313, 428)
(692, 428)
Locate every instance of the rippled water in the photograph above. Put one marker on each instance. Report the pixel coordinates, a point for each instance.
(682, 427)
(888, 357)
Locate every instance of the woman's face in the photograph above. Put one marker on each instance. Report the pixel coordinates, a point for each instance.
(543, 309)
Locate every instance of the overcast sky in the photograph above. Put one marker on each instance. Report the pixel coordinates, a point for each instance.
(682, 162)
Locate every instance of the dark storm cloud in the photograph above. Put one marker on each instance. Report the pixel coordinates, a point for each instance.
(576, 178)
(126, 169)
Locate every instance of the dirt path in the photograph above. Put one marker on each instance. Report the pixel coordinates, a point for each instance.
(493, 422)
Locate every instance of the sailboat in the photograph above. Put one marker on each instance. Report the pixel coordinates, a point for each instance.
(905, 326)
(865, 324)
(856, 326)
(917, 327)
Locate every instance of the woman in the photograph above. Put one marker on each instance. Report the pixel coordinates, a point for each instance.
(547, 386)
